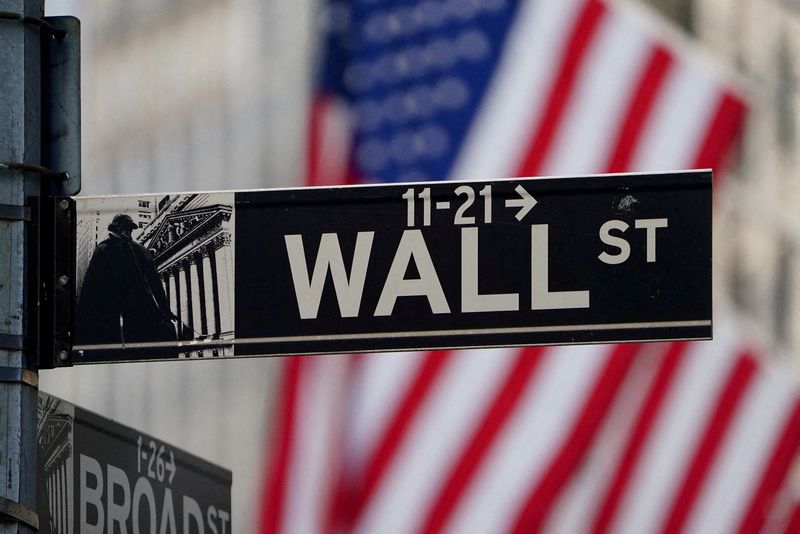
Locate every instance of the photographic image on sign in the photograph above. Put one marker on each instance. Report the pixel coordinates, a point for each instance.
(154, 276)
(55, 468)
(96, 475)
(512, 262)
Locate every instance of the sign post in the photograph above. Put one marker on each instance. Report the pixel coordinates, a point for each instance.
(20, 135)
(605, 258)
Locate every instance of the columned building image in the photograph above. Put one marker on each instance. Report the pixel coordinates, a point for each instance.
(191, 242)
(55, 466)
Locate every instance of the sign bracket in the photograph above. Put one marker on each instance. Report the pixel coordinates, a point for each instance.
(18, 375)
(14, 511)
(61, 104)
(50, 223)
(53, 276)
(13, 342)
(10, 212)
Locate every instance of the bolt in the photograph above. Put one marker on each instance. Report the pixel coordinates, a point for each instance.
(63, 204)
(63, 279)
(63, 355)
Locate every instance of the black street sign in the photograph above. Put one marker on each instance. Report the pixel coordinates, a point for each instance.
(98, 476)
(431, 265)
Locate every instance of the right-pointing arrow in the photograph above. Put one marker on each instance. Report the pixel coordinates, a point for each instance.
(171, 466)
(524, 203)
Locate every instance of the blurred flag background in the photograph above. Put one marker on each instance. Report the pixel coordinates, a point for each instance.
(696, 437)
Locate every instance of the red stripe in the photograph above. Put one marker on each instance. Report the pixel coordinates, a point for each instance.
(641, 105)
(397, 430)
(558, 100)
(735, 387)
(487, 431)
(779, 463)
(594, 411)
(275, 494)
(793, 526)
(722, 132)
(651, 408)
(320, 172)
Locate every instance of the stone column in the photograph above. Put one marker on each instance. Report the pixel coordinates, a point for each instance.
(176, 301)
(224, 265)
(187, 300)
(211, 288)
(51, 490)
(49, 485)
(70, 498)
(201, 283)
(62, 496)
(196, 291)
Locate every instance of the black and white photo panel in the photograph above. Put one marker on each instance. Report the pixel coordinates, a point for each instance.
(154, 277)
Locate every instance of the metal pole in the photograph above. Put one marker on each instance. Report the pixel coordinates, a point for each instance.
(20, 141)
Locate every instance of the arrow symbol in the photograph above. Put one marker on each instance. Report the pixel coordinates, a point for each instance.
(525, 203)
(171, 466)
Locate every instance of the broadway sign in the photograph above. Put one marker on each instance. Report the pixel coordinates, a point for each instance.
(393, 267)
(98, 476)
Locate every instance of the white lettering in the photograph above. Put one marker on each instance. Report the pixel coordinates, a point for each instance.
(471, 301)
(167, 515)
(91, 495)
(412, 245)
(117, 513)
(224, 518)
(541, 296)
(144, 489)
(211, 517)
(191, 510)
(650, 226)
(107, 505)
(614, 241)
(308, 290)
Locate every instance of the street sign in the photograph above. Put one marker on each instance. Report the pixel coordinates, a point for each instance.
(99, 476)
(429, 265)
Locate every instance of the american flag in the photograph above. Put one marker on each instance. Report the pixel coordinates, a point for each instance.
(670, 437)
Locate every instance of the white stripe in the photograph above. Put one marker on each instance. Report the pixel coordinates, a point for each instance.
(589, 485)
(527, 442)
(382, 380)
(744, 455)
(604, 88)
(675, 434)
(315, 424)
(435, 440)
(497, 140)
(681, 116)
